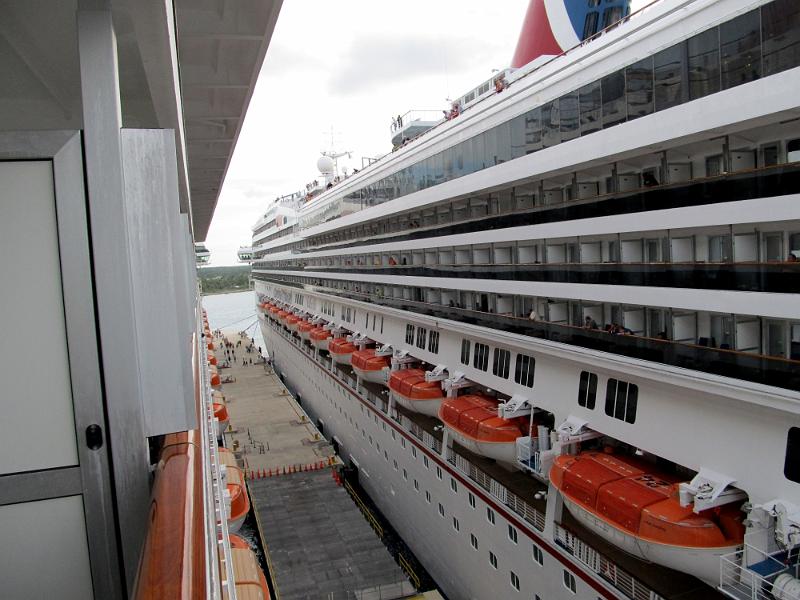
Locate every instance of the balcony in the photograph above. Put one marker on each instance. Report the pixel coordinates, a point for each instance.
(752, 574)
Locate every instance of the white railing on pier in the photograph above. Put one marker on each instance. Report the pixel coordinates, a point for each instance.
(752, 574)
(602, 566)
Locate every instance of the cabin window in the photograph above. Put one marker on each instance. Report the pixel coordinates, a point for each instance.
(639, 88)
(416, 485)
(613, 94)
(492, 559)
(465, 352)
(422, 336)
(438, 472)
(551, 128)
(426, 462)
(473, 541)
(569, 581)
(490, 515)
(512, 533)
(538, 555)
(703, 60)
(740, 43)
(791, 464)
(590, 24)
(587, 390)
(405, 475)
(471, 499)
(441, 510)
(433, 342)
(481, 359)
(570, 116)
(523, 372)
(668, 67)
(621, 400)
(514, 581)
(409, 334)
(427, 496)
(500, 363)
(453, 485)
(456, 526)
(591, 107)
(780, 33)
(533, 130)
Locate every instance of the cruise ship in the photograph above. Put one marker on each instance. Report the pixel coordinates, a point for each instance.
(555, 335)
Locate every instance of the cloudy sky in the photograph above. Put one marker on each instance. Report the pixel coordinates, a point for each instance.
(350, 66)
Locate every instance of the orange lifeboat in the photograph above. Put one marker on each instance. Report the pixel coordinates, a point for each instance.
(214, 375)
(341, 350)
(473, 422)
(304, 328)
(282, 315)
(210, 344)
(632, 505)
(370, 367)
(409, 389)
(293, 322)
(320, 338)
(221, 413)
(251, 584)
(273, 312)
(240, 502)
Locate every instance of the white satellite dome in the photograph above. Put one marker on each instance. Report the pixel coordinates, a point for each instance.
(325, 164)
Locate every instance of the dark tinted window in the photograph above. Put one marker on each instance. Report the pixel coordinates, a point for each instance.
(621, 400)
(740, 43)
(518, 136)
(587, 390)
(611, 16)
(490, 147)
(668, 70)
(525, 367)
(465, 352)
(551, 129)
(780, 27)
(478, 152)
(791, 463)
(533, 130)
(639, 88)
(501, 362)
(503, 133)
(703, 61)
(591, 107)
(590, 24)
(570, 123)
(613, 90)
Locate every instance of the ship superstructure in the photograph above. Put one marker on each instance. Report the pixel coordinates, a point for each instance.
(557, 334)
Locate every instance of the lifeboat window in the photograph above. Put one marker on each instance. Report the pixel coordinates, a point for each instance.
(538, 555)
(481, 358)
(523, 373)
(433, 342)
(465, 352)
(453, 485)
(441, 510)
(472, 499)
(512, 533)
(791, 465)
(587, 392)
(422, 334)
(621, 400)
(501, 362)
(456, 525)
(492, 559)
(473, 541)
(514, 581)
(569, 581)
(409, 334)
(490, 515)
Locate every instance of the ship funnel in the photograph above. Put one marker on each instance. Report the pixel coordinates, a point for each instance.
(554, 26)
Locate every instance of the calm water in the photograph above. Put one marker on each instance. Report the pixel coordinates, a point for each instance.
(234, 312)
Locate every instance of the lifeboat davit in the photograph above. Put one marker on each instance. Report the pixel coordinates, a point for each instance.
(409, 389)
(370, 367)
(240, 502)
(221, 413)
(341, 350)
(212, 358)
(250, 580)
(630, 504)
(320, 338)
(473, 422)
(304, 328)
(293, 322)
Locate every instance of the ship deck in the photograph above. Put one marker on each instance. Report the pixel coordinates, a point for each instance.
(317, 542)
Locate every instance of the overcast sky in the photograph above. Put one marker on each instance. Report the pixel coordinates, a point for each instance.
(351, 66)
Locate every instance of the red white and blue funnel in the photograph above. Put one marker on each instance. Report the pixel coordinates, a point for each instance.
(554, 26)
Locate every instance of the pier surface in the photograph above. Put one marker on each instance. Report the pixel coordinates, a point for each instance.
(317, 542)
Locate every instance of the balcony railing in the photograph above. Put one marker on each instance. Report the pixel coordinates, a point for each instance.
(752, 574)
(757, 368)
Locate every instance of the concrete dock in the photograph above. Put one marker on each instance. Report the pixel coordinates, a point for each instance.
(317, 542)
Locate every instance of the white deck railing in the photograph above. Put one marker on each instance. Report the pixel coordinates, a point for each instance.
(751, 574)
